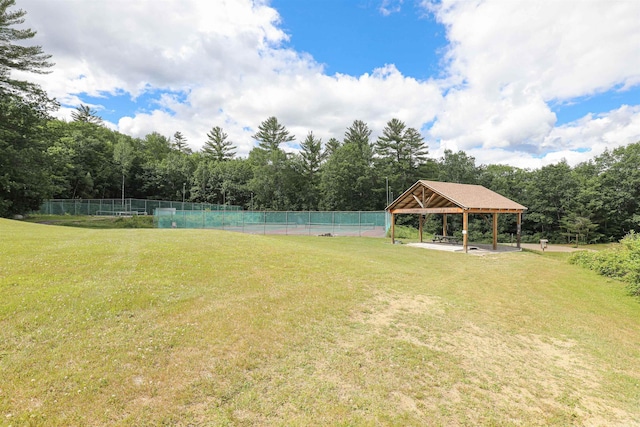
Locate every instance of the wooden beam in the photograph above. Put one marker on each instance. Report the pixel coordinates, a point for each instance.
(465, 231)
(444, 224)
(393, 229)
(417, 211)
(420, 221)
(418, 200)
(491, 211)
(433, 196)
(495, 231)
(519, 230)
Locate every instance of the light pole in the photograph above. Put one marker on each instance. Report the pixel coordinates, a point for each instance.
(184, 187)
(387, 191)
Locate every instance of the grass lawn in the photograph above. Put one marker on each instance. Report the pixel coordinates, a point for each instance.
(202, 327)
(93, 221)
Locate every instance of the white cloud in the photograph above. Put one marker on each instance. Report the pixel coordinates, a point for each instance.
(575, 142)
(387, 7)
(225, 62)
(508, 60)
(559, 49)
(226, 57)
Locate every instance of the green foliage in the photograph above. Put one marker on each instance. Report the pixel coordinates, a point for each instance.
(619, 262)
(86, 114)
(311, 158)
(348, 179)
(180, 143)
(82, 158)
(273, 182)
(406, 232)
(17, 56)
(24, 169)
(457, 167)
(168, 178)
(401, 152)
(271, 135)
(550, 196)
(143, 221)
(578, 227)
(217, 145)
(331, 146)
(87, 221)
(224, 182)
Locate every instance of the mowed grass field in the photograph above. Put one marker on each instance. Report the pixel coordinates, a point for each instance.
(200, 327)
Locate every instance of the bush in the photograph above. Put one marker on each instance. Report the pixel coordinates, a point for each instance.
(621, 262)
(405, 232)
(134, 222)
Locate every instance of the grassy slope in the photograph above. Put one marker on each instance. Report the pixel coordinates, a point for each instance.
(149, 327)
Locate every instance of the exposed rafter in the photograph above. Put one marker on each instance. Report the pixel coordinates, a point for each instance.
(432, 197)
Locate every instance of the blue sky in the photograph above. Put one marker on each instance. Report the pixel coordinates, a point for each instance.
(525, 83)
(354, 37)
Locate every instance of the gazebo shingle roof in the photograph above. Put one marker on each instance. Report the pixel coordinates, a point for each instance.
(432, 197)
(434, 194)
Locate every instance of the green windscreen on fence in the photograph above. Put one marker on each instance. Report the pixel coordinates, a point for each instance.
(286, 222)
(110, 207)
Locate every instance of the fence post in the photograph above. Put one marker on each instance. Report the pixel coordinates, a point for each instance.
(333, 223)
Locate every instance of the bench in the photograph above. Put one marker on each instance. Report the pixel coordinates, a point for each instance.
(445, 239)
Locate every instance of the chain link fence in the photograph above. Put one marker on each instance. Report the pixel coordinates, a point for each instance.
(373, 224)
(126, 207)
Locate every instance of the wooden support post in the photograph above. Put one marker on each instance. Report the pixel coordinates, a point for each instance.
(393, 229)
(465, 231)
(519, 230)
(420, 221)
(444, 224)
(495, 231)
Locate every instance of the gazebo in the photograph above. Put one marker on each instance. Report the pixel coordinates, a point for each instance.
(432, 197)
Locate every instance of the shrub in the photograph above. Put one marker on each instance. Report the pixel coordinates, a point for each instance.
(621, 262)
(404, 232)
(134, 222)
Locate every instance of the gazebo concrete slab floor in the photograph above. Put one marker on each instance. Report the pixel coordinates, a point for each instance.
(478, 249)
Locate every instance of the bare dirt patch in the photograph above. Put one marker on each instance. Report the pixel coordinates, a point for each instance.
(528, 377)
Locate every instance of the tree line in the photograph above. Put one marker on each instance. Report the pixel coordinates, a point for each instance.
(42, 157)
(81, 159)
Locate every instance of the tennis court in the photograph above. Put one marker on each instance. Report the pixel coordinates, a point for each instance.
(368, 224)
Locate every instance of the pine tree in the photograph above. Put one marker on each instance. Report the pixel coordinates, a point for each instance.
(271, 165)
(401, 151)
(330, 147)
(312, 154)
(86, 114)
(217, 145)
(272, 134)
(17, 56)
(180, 143)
